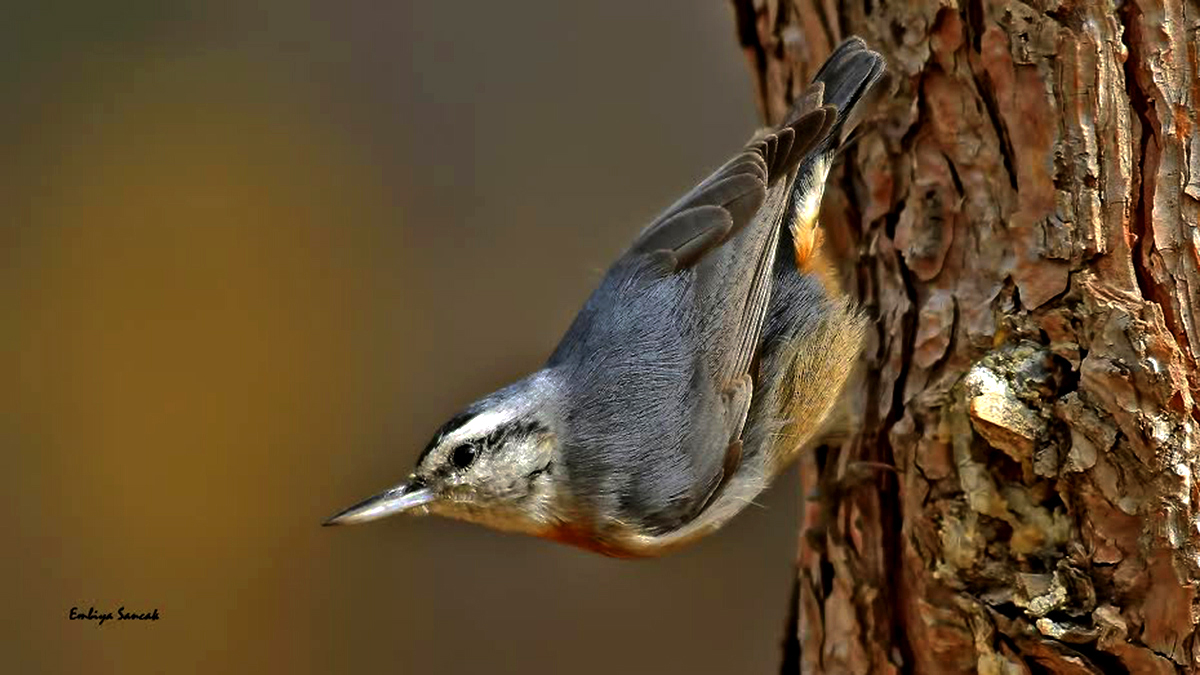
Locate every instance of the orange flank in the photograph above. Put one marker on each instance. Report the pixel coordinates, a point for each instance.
(808, 241)
(807, 245)
(585, 538)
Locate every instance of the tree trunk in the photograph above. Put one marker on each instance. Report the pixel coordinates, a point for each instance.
(1020, 218)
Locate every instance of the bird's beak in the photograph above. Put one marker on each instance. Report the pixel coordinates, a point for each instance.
(393, 500)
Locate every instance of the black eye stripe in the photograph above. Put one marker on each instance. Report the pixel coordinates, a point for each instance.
(532, 428)
(494, 438)
(513, 430)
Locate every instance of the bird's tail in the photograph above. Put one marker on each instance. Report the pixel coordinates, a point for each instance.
(847, 82)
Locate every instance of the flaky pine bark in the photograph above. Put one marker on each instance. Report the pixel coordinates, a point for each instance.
(1021, 220)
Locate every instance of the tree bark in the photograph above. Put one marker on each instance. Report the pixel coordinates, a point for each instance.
(1020, 219)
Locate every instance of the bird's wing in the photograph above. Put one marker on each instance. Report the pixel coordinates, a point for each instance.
(728, 200)
(711, 213)
(725, 202)
(734, 283)
(727, 228)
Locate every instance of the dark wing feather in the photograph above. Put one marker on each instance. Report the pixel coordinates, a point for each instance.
(726, 201)
(687, 234)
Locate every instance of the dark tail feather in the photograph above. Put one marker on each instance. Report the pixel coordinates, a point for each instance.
(847, 83)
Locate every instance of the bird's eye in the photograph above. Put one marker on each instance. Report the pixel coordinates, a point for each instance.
(463, 455)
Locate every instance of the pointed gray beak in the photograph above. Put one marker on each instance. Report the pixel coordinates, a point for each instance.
(403, 497)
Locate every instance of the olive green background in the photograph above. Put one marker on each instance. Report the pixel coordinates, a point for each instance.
(252, 256)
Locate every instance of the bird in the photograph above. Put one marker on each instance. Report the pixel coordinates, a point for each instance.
(714, 349)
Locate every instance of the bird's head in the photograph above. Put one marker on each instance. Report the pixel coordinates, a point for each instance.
(492, 464)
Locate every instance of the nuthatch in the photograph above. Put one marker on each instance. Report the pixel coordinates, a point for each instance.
(713, 350)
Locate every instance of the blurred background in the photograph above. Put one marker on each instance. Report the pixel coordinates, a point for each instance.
(252, 256)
